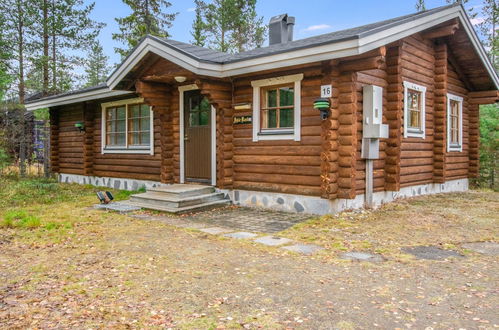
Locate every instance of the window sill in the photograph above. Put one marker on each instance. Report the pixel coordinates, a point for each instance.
(414, 134)
(455, 148)
(285, 135)
(147, 151)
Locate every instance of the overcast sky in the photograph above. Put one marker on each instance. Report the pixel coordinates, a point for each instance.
(313, 17)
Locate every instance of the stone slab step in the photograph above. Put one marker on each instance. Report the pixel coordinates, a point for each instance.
(186, 209)
(182, 190)
(155, 198)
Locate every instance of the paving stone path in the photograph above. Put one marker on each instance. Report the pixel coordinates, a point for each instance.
(487, 248)
(430, 252)
(250, 219)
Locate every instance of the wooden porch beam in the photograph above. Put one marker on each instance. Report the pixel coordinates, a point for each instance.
(442, 31)
(484, 97)
(453, 61)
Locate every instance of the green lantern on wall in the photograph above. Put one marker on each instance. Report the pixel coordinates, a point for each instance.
(323, 105)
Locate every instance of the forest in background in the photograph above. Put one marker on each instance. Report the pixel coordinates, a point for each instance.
(45, 43)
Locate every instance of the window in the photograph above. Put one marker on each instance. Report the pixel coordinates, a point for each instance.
(414, 110)
(127, 127)
(276, 108)
(454, 123)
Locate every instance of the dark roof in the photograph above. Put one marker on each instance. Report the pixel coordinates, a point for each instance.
(211, 56)
(38, 96)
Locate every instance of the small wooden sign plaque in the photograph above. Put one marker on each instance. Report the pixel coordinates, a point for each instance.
(240, 120)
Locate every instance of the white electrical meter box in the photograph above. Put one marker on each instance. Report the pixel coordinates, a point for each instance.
(373, 127)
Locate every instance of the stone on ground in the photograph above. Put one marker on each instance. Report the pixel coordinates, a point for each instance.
(362, 256)
(241, 235)
(273, 240)
(117, 206)
(430, 252)
(487, 248)
(216, 230)
(303, 248)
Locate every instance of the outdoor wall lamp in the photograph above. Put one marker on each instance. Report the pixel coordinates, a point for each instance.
(80, 126)
(323, 106)
(180, 79)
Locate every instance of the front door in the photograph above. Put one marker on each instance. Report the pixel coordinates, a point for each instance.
(197, 137)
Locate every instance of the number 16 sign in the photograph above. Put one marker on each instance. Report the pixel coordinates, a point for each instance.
(326, 90)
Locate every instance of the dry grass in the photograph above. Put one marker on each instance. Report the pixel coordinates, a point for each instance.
(446, 220)
(83, 268)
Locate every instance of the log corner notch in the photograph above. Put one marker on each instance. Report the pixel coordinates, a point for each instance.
(475, 99)
(443, 30)
(88, 139)
(329, 135)
(440, 112)
(158, 95)
(219, 93)
(54, 140)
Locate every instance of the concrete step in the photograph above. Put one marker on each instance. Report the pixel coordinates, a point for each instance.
(186, 209)
(160, 199)
(182, 190)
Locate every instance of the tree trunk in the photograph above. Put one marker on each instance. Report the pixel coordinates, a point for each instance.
(45, 49)
(20, 31)
(54, 57)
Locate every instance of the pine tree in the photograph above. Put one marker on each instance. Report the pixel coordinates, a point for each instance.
(20, 17)
(69, 28)
(490, 12)
(233, 25)
(148, 17)
(199, 26)
(249, 30)
(420, 5)
(96, 67)
(5, 78)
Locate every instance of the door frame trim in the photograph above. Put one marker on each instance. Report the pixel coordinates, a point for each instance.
(213, 132)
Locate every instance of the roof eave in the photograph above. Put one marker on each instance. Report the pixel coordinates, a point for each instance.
(96, 94)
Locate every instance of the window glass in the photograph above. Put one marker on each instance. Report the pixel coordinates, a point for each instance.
(278, 108)
(454, 122)
(138, 131)
(414, 107)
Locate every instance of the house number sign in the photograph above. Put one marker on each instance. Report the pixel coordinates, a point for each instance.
(326, 90)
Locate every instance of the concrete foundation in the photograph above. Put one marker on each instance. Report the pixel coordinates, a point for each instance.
(285, 202)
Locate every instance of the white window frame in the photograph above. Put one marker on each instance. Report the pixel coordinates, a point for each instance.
(459, 146)
(292, 134)
(411, 132)
(125, 149)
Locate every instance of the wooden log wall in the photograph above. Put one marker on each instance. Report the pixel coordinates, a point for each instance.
(418, 66)
(70, 140)
(283, 165)
(54, 140)
(329, 135)
(393, 114)
(440, 115)
(219, 93)
(457, 163)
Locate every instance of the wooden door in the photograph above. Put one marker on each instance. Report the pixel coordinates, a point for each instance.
(197, 137)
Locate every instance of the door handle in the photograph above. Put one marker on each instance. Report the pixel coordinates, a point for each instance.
(186, 138)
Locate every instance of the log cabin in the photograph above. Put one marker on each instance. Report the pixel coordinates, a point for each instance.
(332, 122)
